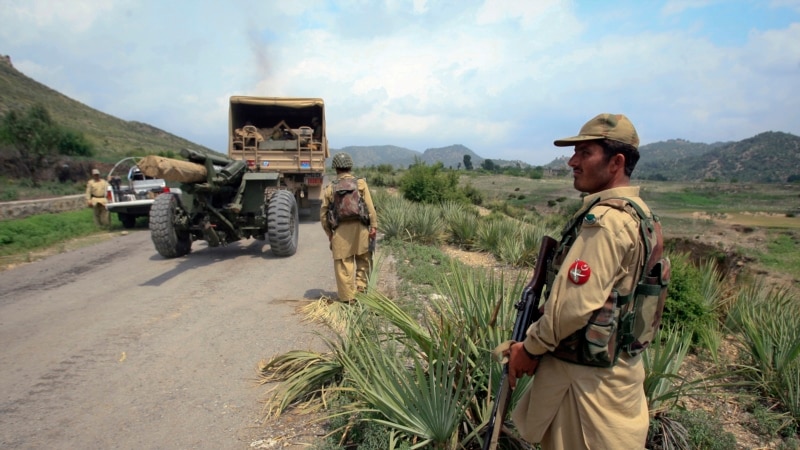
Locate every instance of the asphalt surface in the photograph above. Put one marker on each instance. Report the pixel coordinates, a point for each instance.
(113, 347)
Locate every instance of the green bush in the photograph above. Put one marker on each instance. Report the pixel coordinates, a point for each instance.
(73, 143)
(685, 306)
(474, 195)
(430, 184)
(704, 430)
(9, 195)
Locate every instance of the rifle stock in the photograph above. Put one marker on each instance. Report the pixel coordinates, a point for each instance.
(527, 312)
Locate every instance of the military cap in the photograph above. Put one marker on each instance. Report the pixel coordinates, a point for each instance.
(616, 127)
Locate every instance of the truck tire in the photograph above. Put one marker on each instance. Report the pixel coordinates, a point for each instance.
(169, 242)
(128, 220)
(282, 223)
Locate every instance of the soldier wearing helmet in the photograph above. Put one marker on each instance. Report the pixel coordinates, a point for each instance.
(349, 239)
(96, 189)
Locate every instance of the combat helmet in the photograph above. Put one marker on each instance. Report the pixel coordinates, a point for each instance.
(342, 160)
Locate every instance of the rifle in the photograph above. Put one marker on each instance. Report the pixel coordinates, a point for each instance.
(528, 311)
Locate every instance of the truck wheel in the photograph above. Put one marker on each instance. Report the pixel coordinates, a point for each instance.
(169, 242)
(128, 220)
(282, 224)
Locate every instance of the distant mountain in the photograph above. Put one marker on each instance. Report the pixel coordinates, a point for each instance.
(451, 156)
(765, 158)
(366, 156)
(110, 136)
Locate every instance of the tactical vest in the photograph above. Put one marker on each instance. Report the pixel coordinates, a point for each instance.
(624, 322)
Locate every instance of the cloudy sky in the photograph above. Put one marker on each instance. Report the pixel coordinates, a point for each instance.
(502, 77)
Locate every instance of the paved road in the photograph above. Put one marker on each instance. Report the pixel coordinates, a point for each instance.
(112, 346)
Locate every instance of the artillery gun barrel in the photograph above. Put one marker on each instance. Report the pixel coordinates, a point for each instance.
(200, 157)
(173, 169)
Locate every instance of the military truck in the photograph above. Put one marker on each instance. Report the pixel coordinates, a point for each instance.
(284, 136)
(275, 164)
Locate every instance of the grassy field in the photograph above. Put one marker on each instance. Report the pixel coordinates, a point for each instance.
(758, 222)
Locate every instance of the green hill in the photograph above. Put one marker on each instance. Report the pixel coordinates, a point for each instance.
(112, 137)
(770, 157)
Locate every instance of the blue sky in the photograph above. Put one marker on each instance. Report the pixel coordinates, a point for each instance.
(502, 77)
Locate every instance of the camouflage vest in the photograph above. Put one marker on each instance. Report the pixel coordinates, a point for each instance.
(625, 322)
(347, 204)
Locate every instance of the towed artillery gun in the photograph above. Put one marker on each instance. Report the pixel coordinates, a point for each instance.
(275, 166)
(221, 201)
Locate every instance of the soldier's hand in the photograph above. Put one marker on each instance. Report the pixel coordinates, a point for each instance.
(88, 204)
(520, 363)
(373, 232)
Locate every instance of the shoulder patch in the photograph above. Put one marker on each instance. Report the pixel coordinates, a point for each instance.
(579, 272)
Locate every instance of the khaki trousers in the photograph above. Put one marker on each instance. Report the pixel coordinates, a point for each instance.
(352, 274)
(101, 218)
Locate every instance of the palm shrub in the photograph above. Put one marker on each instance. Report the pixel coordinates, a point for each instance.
(491, 232)
(529, 235)
(393, 217)
(666, 389)
(462, 223)
(425, 224)
(766, 320)
(717, 301)
(424, 374)
(401, 219)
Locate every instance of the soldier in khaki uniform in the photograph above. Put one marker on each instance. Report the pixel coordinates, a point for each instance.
(350, 240)
(96, 198)
(571, 406)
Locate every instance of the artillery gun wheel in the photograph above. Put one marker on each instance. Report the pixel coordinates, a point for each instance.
(169, 242)
(282, 223)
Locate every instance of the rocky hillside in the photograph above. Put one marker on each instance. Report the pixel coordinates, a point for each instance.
(770, 157)
(112, 137)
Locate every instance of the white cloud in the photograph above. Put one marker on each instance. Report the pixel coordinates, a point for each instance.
(504, 77)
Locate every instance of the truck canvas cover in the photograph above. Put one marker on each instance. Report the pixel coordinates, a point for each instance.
(278, 134)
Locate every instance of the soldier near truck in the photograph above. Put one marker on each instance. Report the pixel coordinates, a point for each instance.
(349, 219)
(96, 189)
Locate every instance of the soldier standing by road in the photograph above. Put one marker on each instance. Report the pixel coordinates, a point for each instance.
(349, 235)
(569, 405)
(96, 198)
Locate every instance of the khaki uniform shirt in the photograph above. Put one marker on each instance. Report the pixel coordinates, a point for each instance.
(608, 404)
(351, 237)
(96, 191)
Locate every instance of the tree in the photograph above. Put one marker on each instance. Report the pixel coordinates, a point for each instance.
(468, 162)
(488, 165)
(33, 136)
(34, 139)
